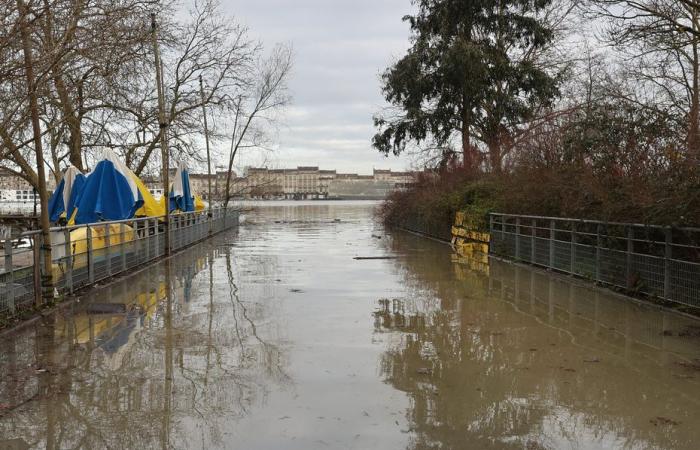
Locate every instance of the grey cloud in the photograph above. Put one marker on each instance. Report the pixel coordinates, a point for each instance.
(340, 49)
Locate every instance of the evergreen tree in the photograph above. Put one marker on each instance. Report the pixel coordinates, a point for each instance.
(470, 70)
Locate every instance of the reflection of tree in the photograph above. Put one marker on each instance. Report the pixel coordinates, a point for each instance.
(468, 351)
(270, 354)
(167, 373)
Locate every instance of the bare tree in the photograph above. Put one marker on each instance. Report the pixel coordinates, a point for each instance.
(207, 45)
(660, 43)
(255, 109)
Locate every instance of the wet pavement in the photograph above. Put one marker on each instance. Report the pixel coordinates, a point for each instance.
(275, 337)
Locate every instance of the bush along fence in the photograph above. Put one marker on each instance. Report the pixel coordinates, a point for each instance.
(661, 262)
(85, 254)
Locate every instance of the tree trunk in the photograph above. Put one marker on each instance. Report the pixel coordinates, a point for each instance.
(47, 276)
(694, 113)
(469, 159)
(495, 154)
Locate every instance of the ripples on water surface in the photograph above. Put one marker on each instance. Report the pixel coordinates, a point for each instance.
(273, 336)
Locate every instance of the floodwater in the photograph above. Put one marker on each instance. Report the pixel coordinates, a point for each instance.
(274, 337)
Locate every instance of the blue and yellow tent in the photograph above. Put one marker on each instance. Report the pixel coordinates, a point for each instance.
(180, 195)
(114, 192)
(64, 199)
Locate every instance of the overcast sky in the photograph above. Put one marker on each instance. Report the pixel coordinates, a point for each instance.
(340, 48)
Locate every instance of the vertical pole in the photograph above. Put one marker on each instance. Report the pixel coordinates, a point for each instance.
(552, 237)
(668, 255)
(122, 242)
(491, 230)
(598, 245)
(69, 261)
(10, 280)
(148, 240)
(533, 241)
(108, 250)
(90, 256)
(206, 140)
(628, 257)
(37, 270)
(517, 238)
(163, 124)
(573, 248)
(156, 239)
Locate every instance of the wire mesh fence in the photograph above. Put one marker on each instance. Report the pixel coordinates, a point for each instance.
(662, 262)
(85, 254)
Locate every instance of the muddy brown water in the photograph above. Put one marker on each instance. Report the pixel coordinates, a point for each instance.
(274, 337)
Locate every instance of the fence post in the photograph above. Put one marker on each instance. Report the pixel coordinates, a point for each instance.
(573, 248)
(552, 238)
(533, 241)
(108, 249)
(90, 256)
(598, 245)
(69, 261)
(668, 255)
(38, 301)
(156, 238)
(517, 238)
(122, 242)
(10, 277)
(628, 256)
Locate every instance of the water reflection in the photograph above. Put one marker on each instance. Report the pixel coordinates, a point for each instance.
(267, 339)
(511, 357)
(152, 362)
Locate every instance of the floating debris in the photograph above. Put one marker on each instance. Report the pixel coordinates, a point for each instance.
(360, 258)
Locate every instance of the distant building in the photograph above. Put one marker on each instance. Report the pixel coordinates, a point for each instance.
(310, 182)
(199, 183)
(14, 188)
(303, 182)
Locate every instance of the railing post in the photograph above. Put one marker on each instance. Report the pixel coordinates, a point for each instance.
(108, 250)
(147, 240)
(122, 243)
(517, 238)
(552, 238)
(628, 256)
(156, 238)
(38, 286)
(598, 245)
(69, 261)
(90, 255)
(668, 255)
(533, 232)
(573, 248)
(10, 275)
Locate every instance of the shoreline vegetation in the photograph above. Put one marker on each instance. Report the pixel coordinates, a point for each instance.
(517, 107)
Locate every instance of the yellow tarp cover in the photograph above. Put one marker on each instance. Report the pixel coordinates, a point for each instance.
(78, 238)
(150, 208)
(199, 204)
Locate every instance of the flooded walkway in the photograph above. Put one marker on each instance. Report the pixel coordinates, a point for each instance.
(274, 337)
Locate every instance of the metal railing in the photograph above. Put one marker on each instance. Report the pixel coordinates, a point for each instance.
(85, 254)
(658, 261)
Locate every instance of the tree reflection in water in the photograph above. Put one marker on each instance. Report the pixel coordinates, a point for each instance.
(511, 357)
(177, 358)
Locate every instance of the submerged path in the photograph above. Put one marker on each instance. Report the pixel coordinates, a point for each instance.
(275, 336)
